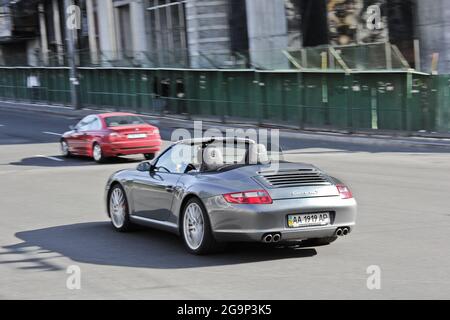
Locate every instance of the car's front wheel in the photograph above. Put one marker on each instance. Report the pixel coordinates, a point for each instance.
(119, 210)
(196, 229)
(65, 149)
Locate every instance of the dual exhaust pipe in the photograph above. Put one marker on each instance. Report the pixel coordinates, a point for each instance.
(276, 237)
(272, 238)
(342, 232)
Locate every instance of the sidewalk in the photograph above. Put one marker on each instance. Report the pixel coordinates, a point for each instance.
(366, 138)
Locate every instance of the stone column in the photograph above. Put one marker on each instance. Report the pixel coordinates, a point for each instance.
(92, 31)
(43, 34)
(432, 25)
(58, 34)
(267, 33)
(138, 33)
(208, 33)
(107, 29)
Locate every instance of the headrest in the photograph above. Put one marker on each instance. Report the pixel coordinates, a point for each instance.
(212, 158)
(258, 154)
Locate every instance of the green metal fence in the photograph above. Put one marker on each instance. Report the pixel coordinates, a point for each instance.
(397, 100)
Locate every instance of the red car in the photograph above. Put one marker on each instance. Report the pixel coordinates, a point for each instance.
(107, 135)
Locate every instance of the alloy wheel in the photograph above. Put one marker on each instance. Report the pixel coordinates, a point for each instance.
(97, 153)
(64, 148)
(194, 226)
(117, 208)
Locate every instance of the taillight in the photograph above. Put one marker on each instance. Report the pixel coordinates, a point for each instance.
(156, 131)
(249, 197)
(344, 192)
(113, 136)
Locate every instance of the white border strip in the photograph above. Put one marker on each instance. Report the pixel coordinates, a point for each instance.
(50, 158)
(53, 134)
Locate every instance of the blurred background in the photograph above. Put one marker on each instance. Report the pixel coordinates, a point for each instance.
(326, 64)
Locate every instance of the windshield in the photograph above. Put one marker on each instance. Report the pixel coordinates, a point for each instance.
(120, 121)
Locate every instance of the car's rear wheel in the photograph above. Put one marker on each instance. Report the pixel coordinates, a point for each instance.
(119, 210)
(196, 229)
(97, 153)
(65, 149)
(149, 156)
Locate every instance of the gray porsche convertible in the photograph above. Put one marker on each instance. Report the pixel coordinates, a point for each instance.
(212, 191)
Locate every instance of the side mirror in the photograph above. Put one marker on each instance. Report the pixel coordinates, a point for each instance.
(73, 128)
(145, 167)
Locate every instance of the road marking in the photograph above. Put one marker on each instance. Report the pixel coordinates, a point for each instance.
(50, 158)
(53, 134)
(2, 125)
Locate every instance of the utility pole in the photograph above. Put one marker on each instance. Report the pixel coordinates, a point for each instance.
(71, 28)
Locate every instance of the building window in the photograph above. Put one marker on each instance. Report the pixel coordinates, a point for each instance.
(167, 32)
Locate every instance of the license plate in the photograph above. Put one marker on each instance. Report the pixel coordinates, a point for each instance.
(309, 220)
(137, 136)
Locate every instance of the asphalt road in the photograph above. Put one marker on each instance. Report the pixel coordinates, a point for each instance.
(52, 217)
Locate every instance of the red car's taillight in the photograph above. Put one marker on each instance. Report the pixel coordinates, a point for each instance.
(249, 197)
(344, 192)
(115, 136)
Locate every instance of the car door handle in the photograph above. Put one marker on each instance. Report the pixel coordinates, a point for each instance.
(170, 189)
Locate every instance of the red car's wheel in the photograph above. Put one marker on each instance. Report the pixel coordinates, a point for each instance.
(97, 153)
(65, 149)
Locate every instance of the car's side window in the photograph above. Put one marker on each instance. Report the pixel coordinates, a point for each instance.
(95, 124)
(177, 159)
(89, 123)
(82, 125)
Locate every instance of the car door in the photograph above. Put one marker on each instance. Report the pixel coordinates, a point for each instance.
(75, 139)
(153, 192)
(91, 133)
(85, 135)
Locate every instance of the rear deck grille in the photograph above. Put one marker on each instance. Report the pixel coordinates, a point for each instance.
(298, 178)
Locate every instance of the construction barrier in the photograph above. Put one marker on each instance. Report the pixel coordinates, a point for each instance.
(387, 100)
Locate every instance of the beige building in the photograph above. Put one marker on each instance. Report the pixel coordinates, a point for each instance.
(218, 33)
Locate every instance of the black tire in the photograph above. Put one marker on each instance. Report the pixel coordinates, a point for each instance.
(149, 156)
(65, 152)
(101, 158)
(127, 224)
(319, 242)
(209, 244)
